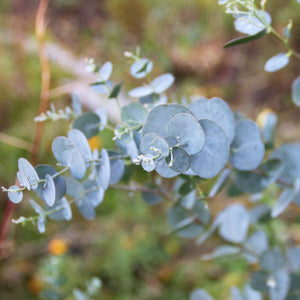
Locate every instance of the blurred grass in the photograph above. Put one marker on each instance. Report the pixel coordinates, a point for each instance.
(127, 246)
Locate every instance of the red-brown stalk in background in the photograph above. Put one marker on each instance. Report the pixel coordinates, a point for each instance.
(40, 28)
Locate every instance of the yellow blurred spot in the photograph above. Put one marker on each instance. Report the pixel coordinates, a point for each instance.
(95, 142)
(232, 279)
(57, 247)
(172, 247)
(127, 242)
(262, 117)
(34, 286)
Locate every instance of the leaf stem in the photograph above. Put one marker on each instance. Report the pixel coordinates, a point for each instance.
(284, 42)
(60, 172)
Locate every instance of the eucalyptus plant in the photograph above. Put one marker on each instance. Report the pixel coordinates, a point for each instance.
(194, 142)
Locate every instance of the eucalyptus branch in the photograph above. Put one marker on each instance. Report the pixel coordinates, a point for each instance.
(275, 34)
(24, 220)
(284, 42)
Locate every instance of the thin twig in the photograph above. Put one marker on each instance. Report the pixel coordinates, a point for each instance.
(45, 87)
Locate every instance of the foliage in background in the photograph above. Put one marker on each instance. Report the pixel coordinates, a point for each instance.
(242, 179)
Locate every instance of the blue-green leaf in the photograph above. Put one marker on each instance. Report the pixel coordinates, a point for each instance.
(235, 221)
(128, 147)
(66, 153)
(269, 129)
(199, 294)
(272, 260)
(88, 123)
(74, 187)
(116, 90)
(277, 62)
(293, 257)
(259, 281)
(289, 155)
(24, 181)
(284, 200)
(217, 110)
(259, 212)
(179, 160)
(236, 294)
(78, 191)
(153, 144)
(133, 114)
(105, 71)
(62, 149)
(279, 284)
(251, 294)
(101, 87)
(63, 212)
(48, 190)
(250, 24)
(215, 153)
(140, 91)
(60, 185)
(268, 173)
(141, 68)
(219, 183)
(104, 170)
(37, 208)
(28, 170)
(41, 224)
(76, 104)
(151, 198)
(103, 117)
(183, 223)
(81, 143)
(159, 117)
(86, 208)
(187, 131)
(296, 91)
(148, 163)
(117, 167)
(79, 295)
(94, 194)
(162, 83)
(221, 251)
(163, 169)
(14, 194)
(256, 244)
(247, 148)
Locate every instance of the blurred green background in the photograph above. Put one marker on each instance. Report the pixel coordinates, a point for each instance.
(128, 246)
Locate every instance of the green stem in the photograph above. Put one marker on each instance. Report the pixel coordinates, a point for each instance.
(272, 31)
(284, 42)
(60, 172)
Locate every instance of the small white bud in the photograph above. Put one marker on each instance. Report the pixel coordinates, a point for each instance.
(127, 54)
(271, 283)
